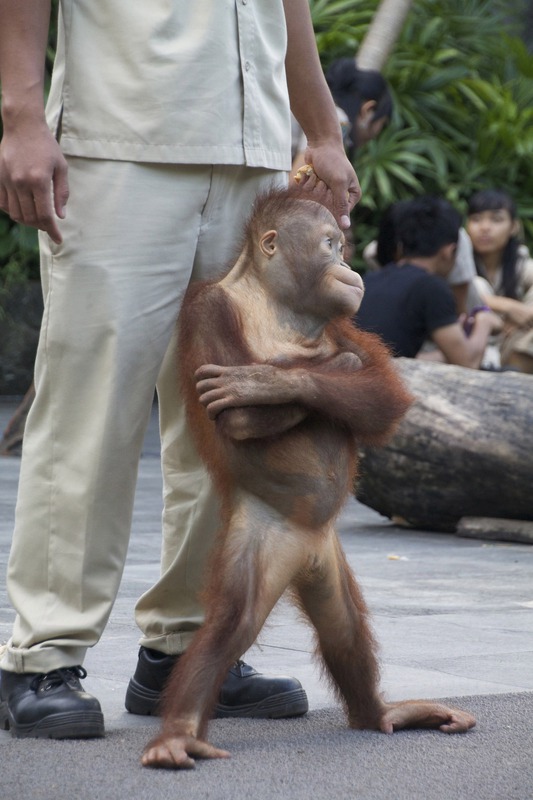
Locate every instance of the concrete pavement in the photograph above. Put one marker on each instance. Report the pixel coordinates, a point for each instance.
(454, 618)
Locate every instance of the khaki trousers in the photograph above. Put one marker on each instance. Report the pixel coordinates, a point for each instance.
(134, 236)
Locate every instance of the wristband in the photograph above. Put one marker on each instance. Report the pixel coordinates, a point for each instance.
(477, 309)
(469, 321)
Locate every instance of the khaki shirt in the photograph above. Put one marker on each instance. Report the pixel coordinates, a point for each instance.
(172, 81)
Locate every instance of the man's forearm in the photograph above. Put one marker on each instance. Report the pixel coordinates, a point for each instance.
(311, 100)
(24, 28)
(33, 171)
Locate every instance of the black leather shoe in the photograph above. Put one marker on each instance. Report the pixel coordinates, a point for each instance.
(244, 693)
(51, 706)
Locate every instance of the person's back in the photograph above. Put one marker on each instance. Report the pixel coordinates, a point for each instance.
(404, 304)
(409, 301)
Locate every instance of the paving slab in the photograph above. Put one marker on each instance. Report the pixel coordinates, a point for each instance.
(454, 618)
(313, 757)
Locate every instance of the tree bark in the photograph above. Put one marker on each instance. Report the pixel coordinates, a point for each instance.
(382, 34)
(464, 449)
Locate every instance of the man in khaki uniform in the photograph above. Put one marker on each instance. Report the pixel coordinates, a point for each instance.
(164, 120)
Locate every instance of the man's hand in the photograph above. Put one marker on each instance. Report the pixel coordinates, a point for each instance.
(333, 169)
(313, 107)
(33, 177)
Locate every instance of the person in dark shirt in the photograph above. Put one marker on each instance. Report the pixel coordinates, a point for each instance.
(409, 301)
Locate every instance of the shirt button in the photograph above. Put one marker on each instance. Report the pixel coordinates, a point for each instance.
(244, 2)
(247, 66)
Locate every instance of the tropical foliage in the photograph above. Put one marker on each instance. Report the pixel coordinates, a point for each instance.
(462, 81)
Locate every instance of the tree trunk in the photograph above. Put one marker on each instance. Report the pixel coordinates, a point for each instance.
(464, 449)
(11, 444)
(382, 34)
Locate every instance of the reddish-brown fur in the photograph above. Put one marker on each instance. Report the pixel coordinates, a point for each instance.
(278, 429)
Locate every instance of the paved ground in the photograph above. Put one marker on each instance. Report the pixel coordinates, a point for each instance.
(454, 618)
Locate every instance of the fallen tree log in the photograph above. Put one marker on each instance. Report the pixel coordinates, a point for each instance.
(501, 530)
(464, 449)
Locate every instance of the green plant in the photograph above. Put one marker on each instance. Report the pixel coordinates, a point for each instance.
(18, 252)
(463, 88)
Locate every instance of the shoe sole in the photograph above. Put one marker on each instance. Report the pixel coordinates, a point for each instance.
(144, 702)
(278, 706)
(86, 725)
(141, 701)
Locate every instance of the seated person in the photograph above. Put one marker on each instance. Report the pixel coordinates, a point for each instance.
(505, 273)
(461, 278)
(409, 301)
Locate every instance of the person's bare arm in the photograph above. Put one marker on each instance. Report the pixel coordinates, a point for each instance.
(33, 171)
(313, 107)
(511, 310)
(465, 351)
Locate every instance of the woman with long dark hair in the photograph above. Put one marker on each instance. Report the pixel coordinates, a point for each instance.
(505, 272)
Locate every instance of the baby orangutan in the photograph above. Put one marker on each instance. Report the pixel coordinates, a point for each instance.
(280, 388)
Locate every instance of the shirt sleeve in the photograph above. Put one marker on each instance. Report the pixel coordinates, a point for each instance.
(464, 269)
(525, 270)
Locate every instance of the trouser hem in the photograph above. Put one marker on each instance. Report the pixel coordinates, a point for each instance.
(172, 644)
(22, 661)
